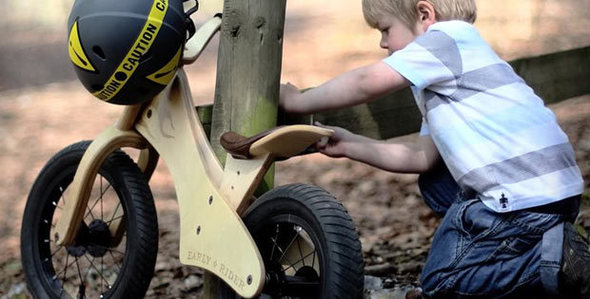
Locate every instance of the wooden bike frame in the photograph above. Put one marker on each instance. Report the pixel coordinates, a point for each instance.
(210, 197)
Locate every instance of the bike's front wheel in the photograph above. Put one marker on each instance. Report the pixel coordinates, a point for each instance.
(308, 243)
(102, 262)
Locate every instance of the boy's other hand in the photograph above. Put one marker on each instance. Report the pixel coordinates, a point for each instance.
(335, 146)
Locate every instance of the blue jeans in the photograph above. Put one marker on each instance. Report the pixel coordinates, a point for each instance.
(477, 252)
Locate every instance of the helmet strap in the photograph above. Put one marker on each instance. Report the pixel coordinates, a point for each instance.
(188, 22)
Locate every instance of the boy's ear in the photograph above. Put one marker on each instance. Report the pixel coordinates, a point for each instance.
(426, 14)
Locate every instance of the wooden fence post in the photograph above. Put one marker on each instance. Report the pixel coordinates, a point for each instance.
(248, 77)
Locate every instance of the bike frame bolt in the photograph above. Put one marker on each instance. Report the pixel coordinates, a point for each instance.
(198, 229)
(211, 199)
(249, 279)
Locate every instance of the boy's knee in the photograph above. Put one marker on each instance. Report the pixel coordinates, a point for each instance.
(433, 286)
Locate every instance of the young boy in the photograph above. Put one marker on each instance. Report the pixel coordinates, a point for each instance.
(493, 159)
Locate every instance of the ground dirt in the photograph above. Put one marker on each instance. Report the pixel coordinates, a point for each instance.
(43, 109)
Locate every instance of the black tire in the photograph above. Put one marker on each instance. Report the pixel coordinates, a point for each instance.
(95, 267)
(287, 217)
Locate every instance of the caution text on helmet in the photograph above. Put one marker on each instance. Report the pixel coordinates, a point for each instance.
(141, 45)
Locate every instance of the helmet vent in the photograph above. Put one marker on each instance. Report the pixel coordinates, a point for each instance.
(99, 52)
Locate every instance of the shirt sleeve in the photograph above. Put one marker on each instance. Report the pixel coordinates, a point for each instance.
(433, 58)
(424, 131)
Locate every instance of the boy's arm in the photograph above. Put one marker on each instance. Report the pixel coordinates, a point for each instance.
(415, 157)
(407, 157)
(358, 86)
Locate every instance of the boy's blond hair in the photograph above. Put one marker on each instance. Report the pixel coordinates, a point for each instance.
(407, 11)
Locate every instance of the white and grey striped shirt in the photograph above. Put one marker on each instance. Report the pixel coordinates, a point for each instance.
(495, 135)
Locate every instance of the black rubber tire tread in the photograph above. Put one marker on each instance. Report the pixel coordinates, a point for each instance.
(141, 221)
(344, 272)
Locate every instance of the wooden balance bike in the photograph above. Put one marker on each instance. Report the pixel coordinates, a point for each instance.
(90, 225)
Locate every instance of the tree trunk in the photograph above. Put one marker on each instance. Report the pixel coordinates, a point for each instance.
(248, 77)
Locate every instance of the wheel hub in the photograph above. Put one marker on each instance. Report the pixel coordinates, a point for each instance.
(308, 273)
(304, 283)
(94, 239)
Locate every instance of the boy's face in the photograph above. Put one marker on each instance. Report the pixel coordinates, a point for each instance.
(395, 35)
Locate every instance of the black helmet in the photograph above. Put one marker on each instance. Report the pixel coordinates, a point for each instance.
(126, 51)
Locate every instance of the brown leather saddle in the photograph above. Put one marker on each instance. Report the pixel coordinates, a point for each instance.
(281, 142)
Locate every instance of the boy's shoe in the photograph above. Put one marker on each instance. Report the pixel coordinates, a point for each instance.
(574, 277)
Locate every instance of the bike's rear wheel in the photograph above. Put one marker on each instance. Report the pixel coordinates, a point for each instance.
(308, 243)
(101, 264)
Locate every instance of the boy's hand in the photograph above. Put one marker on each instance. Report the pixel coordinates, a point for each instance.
(288, 96)
(335, 146)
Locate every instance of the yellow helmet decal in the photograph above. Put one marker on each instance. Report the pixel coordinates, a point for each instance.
(77, 55)
(141, 45)
(166, 73)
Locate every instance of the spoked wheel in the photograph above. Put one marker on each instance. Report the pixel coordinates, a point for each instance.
(102, 262)
(308, 243)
